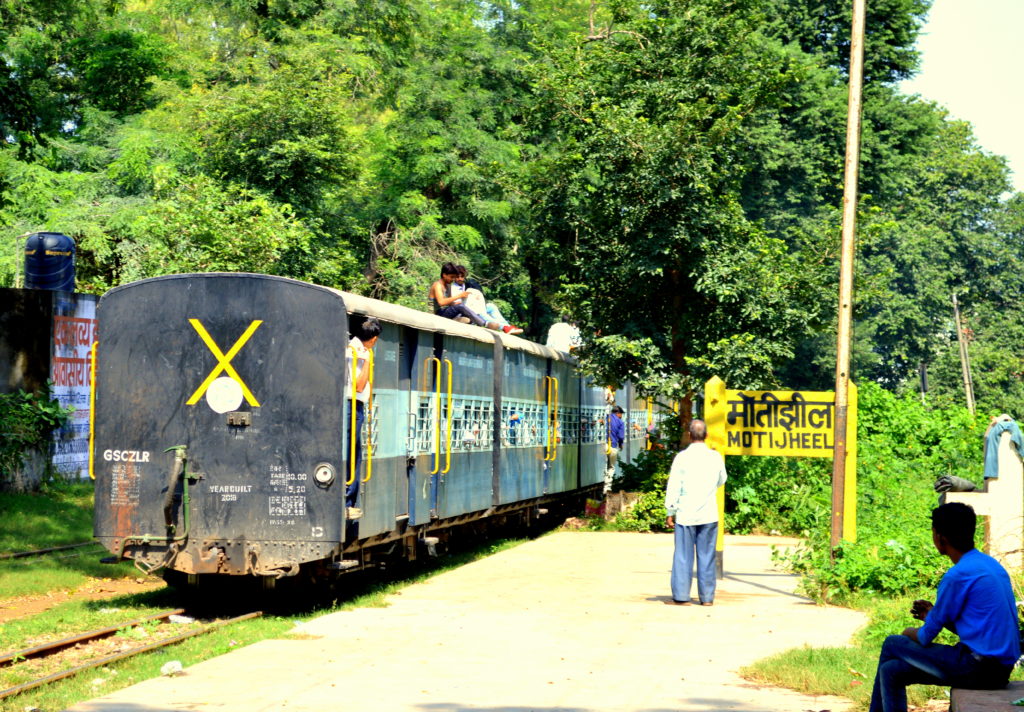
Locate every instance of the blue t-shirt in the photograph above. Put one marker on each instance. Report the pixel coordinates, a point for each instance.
(616, 430)
(976, 597)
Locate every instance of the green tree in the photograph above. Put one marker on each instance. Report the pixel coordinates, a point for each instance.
(197, 226)
(822, 28)
(938, 239)
(639, 201)
(60, 58)
(289, 137)
(115, 69)
(448, 160)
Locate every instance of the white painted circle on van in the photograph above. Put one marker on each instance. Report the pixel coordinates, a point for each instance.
(224, 395)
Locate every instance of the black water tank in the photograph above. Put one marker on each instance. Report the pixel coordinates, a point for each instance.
(50, 262)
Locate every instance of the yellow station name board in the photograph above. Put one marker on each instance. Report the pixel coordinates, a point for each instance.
(785, 424)
(792, 423)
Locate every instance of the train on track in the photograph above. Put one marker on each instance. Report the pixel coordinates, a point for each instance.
(221, 444)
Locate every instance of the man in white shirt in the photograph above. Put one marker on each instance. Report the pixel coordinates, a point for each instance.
(564, 336)
(697, 473)
(364, 338)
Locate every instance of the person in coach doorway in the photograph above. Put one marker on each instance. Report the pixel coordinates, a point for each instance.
(364, 338)
(697, 473)
(616, 436)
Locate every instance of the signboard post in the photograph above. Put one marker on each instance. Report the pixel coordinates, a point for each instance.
(782, 424)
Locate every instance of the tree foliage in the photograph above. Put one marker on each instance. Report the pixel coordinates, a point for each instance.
(642, 204)
(667, 174)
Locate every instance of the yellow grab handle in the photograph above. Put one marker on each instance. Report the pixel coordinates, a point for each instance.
(448, 436)
(551, 444)
(92, 406)
(554, 427)
(369, 419)
(607, 434)
(547, 418)
(650, 421)
(352, 418)
(437, 413)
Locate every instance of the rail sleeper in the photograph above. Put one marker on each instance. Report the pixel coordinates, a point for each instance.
(961, 700)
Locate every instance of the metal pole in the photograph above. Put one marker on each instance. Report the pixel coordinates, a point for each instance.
(850, 178)
(19, 259)
(970, 378)
(965, 359)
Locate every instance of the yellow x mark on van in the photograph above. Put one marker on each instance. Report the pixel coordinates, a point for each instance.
(224, 361)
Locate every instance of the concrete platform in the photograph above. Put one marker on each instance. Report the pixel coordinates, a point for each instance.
(571, 622)
(986, 700)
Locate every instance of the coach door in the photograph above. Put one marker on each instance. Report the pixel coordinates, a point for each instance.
(427, 397)
(526, 390)
(563, 417)
(382, 477)
(467, 426)
(593, 434)
(636, 418)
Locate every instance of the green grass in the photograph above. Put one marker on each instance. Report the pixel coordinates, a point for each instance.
(845, 672)
(61, 572)
(850, 671)
(60, 514)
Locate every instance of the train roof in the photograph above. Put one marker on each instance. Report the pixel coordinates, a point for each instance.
(393, 313)
(397, 314)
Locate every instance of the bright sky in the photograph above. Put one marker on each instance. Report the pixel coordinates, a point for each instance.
(972, 59)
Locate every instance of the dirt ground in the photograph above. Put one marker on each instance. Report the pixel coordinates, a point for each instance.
(571, 622)
(598, 604)
(92, 590)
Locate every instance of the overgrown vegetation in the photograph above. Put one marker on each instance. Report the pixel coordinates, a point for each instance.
(903, 448)
(27, 422)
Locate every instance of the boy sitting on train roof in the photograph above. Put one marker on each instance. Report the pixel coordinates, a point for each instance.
(475, 300)
(451, 306)
(364, 338)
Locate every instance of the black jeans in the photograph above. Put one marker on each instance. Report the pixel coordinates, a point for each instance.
(905, 662)
(453, 311)
(352, 490)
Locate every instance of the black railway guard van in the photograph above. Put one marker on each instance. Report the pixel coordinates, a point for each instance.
(221, 442)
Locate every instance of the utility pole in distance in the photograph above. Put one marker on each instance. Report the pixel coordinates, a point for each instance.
(965, 358)
(851, 175)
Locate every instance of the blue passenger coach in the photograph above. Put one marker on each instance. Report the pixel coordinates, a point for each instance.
(222, 441)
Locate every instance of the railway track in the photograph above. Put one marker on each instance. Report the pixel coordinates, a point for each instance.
(55, 647)
(43, 552)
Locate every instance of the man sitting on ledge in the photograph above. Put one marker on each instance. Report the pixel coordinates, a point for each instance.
(975, 601)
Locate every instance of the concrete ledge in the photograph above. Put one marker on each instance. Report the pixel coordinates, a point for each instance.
(961, 700)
